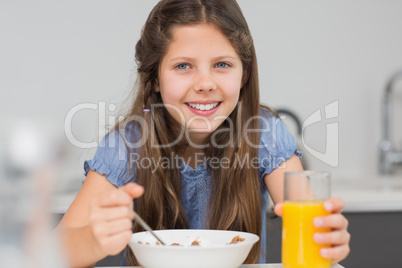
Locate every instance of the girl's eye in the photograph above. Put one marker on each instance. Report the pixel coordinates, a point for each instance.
(222, 65)
(182, 66)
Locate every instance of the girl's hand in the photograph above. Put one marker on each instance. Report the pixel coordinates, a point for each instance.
(111, 216)
(338, 238)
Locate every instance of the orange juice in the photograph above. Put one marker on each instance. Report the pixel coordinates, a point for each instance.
(298, 247)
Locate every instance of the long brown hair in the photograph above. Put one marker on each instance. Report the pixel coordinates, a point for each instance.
(235, 197)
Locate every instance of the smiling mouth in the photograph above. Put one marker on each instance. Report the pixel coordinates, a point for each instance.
(203, 107)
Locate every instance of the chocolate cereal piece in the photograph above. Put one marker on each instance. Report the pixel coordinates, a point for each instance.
(237, 239)
(195, 243)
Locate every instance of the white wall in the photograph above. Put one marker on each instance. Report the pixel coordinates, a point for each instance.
(57, 54)
(312, 53)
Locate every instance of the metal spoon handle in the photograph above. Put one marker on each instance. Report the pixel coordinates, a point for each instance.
(146, 227)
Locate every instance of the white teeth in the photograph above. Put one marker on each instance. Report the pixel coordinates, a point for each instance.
(203, 107)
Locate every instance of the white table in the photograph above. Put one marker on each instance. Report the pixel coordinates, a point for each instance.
(267, 265)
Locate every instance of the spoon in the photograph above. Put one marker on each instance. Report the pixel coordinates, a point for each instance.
(146, 227)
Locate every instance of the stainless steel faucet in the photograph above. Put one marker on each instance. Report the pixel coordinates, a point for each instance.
(389, 156)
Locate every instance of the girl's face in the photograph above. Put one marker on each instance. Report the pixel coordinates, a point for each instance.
(200, 78)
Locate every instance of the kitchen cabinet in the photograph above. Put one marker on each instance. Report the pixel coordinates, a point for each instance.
(376, 239)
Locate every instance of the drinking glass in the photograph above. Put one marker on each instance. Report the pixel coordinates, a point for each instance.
(305, 194)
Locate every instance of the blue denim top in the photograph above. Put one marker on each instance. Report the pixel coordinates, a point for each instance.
(276, 146)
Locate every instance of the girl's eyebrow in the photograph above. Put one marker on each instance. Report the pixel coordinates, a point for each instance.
(214, 59)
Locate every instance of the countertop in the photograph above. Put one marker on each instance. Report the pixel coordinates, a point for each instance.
(267, 265)
(368, 194)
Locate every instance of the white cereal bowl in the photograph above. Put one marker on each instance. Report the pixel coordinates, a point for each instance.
(214, 251)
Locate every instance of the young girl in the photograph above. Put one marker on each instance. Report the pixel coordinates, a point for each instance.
(196, 150)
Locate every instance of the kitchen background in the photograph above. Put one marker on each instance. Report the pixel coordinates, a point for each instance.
(58, 55)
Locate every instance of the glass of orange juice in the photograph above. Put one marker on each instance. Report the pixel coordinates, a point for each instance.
(305, 194)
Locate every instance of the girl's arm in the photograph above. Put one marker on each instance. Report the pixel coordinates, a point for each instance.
(275, 180)
(339, 237)
(98, 223)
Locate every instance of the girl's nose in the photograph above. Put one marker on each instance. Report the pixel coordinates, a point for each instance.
(204, 83)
